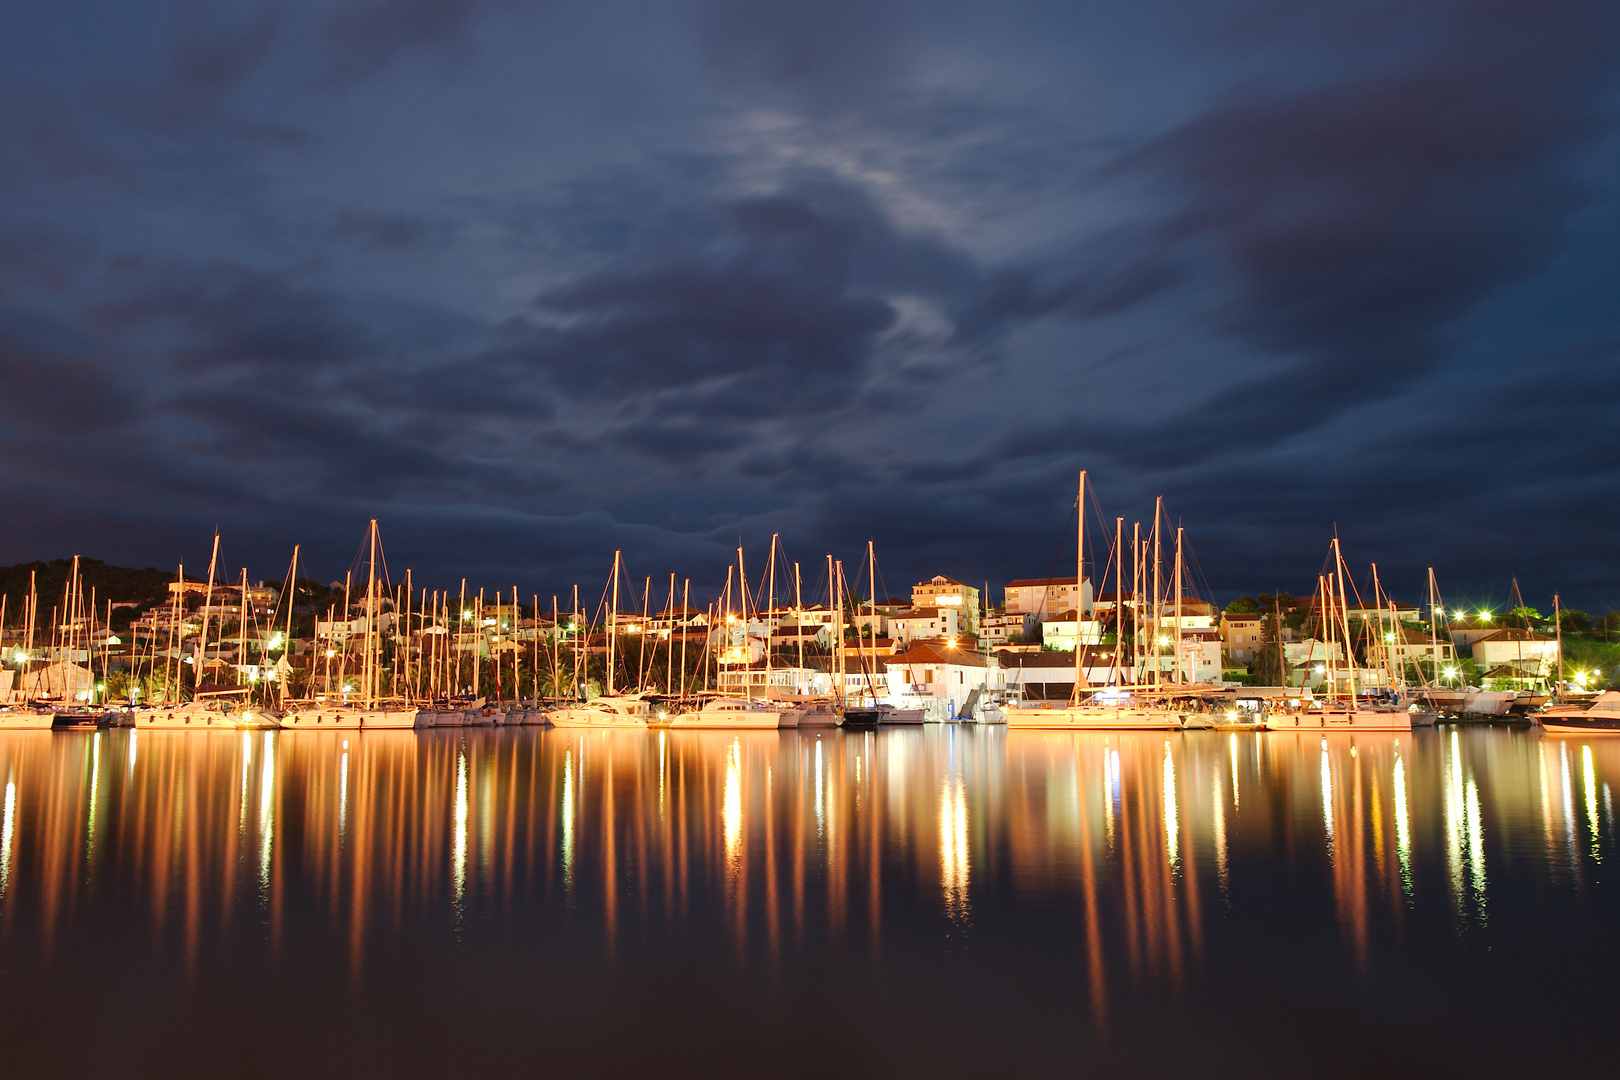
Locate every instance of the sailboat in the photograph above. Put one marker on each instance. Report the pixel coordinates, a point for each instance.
(372, 710)
(208, 710)
(611, 709)
(23, 714)
(1109, 708)
(1339, 711)
(730, 710)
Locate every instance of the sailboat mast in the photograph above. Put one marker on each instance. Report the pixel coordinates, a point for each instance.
(1079, 576)
(1136, 602)
(871, 616)
(1119, 599)
(770, 609)
(747, 653)
(1344, 619)
(798, 621)
(686, 600)
(1181, 674)
(241, 630)
(835, 581)
(1158, 624)
(1557, 629)
(208, 603)
(1434, 628)
(613, 625)
(287, 647)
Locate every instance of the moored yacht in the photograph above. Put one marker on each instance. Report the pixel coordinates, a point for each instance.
(27, 716)
(1600, 717)
(606, 711)
(731, 712)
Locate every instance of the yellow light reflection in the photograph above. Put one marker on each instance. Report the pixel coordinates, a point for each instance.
(731, 809)
(568, 819)
(953, 847)
(1172, 823)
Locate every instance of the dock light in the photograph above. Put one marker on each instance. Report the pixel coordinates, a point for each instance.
(20, 656)
(1485, 616)
(1451, 673)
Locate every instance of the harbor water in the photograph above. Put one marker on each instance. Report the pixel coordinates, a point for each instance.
(940, 901)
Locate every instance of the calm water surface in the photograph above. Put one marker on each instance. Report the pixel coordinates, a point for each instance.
(939, 902)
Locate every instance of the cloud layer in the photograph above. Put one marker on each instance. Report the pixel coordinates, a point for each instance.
(530, 283)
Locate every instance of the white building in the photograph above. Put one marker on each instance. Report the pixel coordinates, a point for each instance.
(926, 624)
(1047, 598)
(943, 676)
(1062, 632)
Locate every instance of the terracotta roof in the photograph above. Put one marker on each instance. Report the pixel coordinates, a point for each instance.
(1513, 633)
(924, 653)
(1028, 583)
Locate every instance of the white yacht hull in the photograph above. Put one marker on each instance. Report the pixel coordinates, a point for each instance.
(1340, 720)
(750, 719)
(26, 719)
(1092, 719)
(319, 720)
(388, 718)
(586, 717)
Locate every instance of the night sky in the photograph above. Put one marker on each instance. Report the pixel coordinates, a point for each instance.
(531, 281)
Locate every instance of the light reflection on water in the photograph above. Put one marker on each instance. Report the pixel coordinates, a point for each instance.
(775, 847)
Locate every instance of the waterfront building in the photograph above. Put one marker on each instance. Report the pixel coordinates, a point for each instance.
(1241, 634)
(1047, 598)
(1533, 655)
(926, 624)
(940, 679)
(946, 593)
(1062, 632)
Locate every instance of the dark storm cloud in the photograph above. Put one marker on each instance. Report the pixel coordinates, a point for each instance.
(1361, 219)
(367, 37)
(825, 51)
(778, 309)
(531, 287)
(227, 315)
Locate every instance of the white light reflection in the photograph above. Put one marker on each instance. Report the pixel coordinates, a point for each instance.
(1172, 823)
(458, 855)
(1465, 833)
(1476, 849)
(1111, 805)
(8, 825)
(1591, 800)
(1569, 803)
(1236, 800)
(661, 776)
(568, 819)
(731, 808)
(821, 803)
(343, 792)
(267, 811)
(242, 803)
(1403, 829)
(132, 734)
(1219, 819)
(1327, 796)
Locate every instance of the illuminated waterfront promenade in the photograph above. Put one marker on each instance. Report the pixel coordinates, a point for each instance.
(1096, 882)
